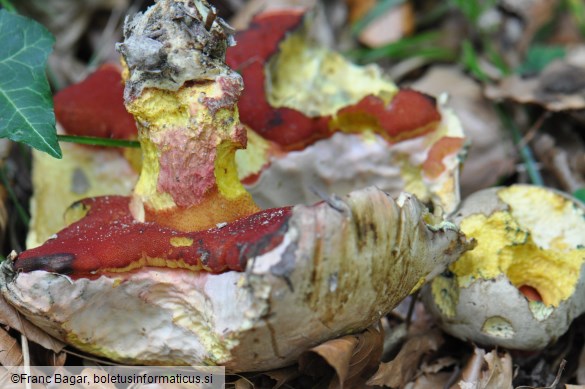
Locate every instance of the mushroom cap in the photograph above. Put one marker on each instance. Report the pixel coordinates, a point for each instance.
(524, 283)
(340, 266)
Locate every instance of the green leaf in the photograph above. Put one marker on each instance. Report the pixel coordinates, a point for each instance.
(26, 104)
(538, 58)
(580, 194)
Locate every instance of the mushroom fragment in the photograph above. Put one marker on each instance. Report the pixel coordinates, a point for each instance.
(524, 282)
(187, 270)
(93, 107)
(305, 105)
(337, 268)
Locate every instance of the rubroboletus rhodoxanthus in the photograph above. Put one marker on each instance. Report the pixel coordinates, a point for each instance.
(188, 270)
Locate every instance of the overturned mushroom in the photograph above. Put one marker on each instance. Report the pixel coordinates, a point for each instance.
(188, 270)
(524, 282)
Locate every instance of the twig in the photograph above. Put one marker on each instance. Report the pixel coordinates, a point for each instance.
(531, 133)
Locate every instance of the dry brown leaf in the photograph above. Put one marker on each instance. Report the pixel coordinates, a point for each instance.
(431, 381)
(243, 383)
(581, 368)
(282, 376)
(10, 351)
(44, 357)
(569, 386)
(490, 145)
(487, 371)
(559, 87)
(351, 357)
(438, 364)
(402, 369)
(534, 13)
(12, 318)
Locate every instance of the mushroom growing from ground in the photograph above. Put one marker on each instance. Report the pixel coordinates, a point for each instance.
(524, 282)
(188, 270)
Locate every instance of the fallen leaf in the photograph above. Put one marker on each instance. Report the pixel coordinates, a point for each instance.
(402, 369)
(243, 383)
(554, 384)
(12, 318)
(559, 87)
(431, 381)
(534, 13)
(438, 364)
(10, 351)
(351, 357)
(282, 376)
(487, 371)
(581, 368)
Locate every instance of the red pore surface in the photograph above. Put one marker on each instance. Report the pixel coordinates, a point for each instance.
(95, 106)
(287, 127)
(108, 239)
(408, 115)
(433, 166)
(530, 293)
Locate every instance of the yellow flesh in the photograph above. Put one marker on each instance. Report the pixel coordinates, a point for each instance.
(318, 82)
(531, 244)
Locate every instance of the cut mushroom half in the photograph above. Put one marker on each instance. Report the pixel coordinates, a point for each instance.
(324, 271)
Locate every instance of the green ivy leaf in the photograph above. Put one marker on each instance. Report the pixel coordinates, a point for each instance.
(580, 194)
(26, 104)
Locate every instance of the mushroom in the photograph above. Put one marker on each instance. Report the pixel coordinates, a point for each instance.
(188, 270)
(306, 105)
(93, 107)
(524, 283)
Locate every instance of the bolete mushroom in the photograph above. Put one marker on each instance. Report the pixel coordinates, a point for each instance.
(93, 107)
(187, 270)
(524, 283)
(306, 105)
